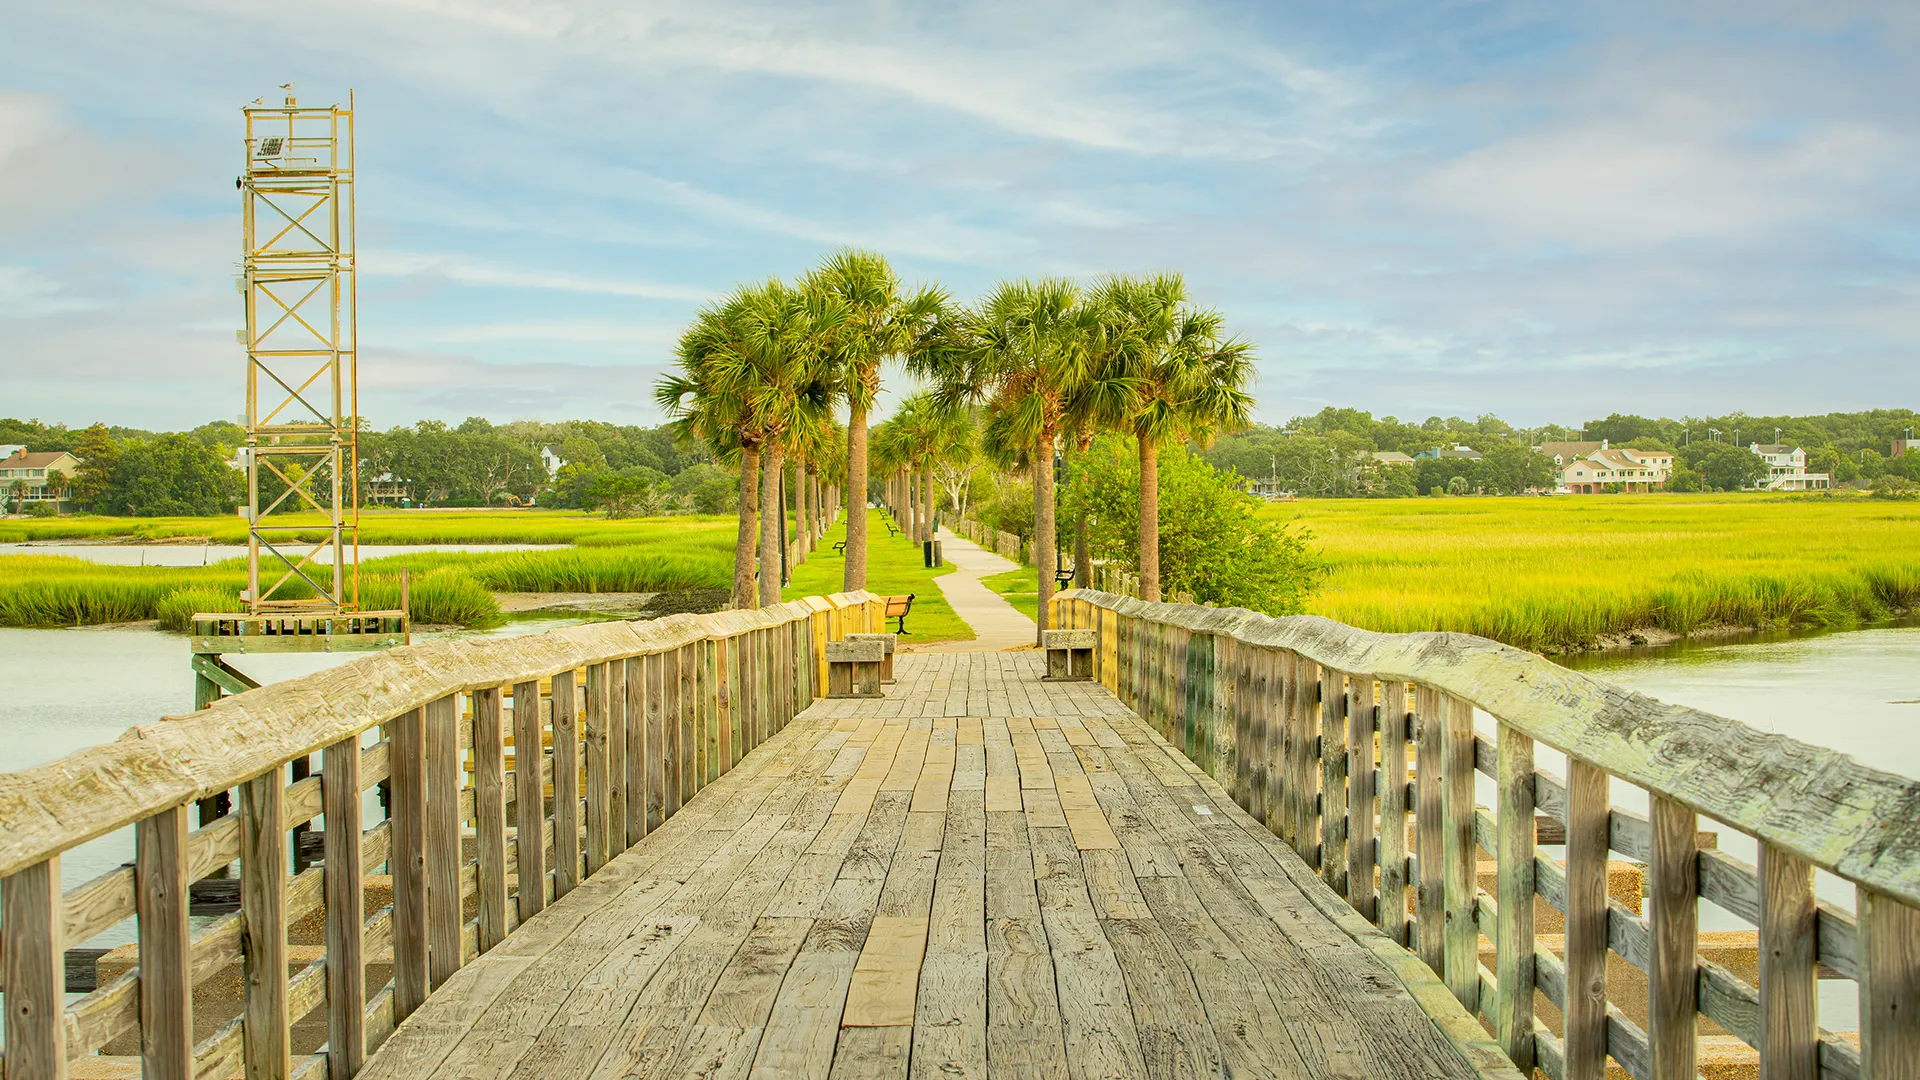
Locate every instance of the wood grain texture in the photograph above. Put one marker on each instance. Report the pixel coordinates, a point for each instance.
(266, 1037)
(345, 911)
(1429, 797)
(565, 714)
(408, 862)
(598, 790)
(1789, 1029)
(1360, 812)
(1333, 779)
(1889, 987)
(490, 814)
(443, 839)
(1459, 857)
(1515, 893)
(1673, 901)
(35, 946)
(1584, 1002)
(530, 760)
(166, 978)
(1395, 716)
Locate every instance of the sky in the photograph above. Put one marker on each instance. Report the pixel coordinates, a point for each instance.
(1550, 211)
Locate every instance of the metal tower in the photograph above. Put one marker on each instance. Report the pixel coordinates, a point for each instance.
(302, 419)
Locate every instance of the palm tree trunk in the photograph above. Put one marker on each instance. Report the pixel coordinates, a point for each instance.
(743, 543)
(1149, 520)
(926, 501)
(770, 525)
(800, 530)
(1043, 554)
(855, 576)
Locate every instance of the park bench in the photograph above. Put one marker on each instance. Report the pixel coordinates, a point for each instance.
(897, 608)
(1063, 577)
(839, 547)
(891, 529)
(1069, 654)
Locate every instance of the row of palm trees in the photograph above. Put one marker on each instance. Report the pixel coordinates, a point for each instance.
(1035, 368)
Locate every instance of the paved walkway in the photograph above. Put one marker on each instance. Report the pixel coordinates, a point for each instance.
(979, 874)
(997, 625)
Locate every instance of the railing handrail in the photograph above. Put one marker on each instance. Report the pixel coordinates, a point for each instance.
(1823, 805)
(53, 807)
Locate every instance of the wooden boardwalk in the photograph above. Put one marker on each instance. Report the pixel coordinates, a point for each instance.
(981, 874)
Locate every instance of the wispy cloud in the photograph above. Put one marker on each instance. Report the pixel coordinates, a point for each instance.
(470, 271)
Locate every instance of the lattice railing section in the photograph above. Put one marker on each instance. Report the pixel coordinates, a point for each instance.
(1365, 751)
(428, 769)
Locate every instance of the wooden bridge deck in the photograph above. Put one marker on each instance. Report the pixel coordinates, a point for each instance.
(981, 873)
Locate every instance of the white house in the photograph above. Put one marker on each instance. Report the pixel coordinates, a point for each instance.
(551, 460)
(1787, 469)
(1589, 471)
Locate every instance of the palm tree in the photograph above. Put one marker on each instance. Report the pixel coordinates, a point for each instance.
(882, 322)
(705, 400)
(1031, 360)
(1181, 380)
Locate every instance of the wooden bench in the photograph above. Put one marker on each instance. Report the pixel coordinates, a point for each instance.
(897, 608)
(1062, 577)
(887, 643)
(1069, 654)
(853, 668)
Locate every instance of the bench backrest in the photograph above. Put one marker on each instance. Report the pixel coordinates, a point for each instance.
(898, 605)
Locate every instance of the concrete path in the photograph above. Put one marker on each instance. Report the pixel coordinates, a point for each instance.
(997, 625)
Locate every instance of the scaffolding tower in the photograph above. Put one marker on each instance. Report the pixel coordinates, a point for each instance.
(302, 405)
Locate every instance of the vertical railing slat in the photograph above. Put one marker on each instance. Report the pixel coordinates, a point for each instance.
(1889, 987)
(443, 839)
(599, 792)
(34, 940)
(688, 703)
(490, 815)
(1392, 915)
(408, 862)
(529, 798)
(619, 798)
(1333, 779)
(1515, 975)
(639, 715)
(1585, 1012)
(166, 978)
(566, 784)
(1306, 756)
(659, 769)
(1360, 801)
(1462, 973)
(1789, 1029)
(1674, 895)
(1429, 829)
(267, 1046)
(345, 910)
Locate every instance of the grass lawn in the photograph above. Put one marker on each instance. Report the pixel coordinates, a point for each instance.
(1021, 588)
(894, 567)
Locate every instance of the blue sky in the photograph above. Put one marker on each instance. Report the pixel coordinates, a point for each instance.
(1550, 211)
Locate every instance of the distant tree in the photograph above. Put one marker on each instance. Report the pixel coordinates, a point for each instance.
(99, 459)
(173, 475)
(1733, 468)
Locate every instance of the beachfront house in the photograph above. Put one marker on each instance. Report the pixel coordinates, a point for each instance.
(1391, 457)
(1441, 453)
(38, 479)
(1787, 469)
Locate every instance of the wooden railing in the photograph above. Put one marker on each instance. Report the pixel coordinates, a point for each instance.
(1004, 544)
(1361, 751)
(611, 727)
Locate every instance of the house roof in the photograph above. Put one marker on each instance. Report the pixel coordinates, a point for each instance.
(24, 460)
(1773, 448)
(1615, 459)
(1567, 451)
(1391, 457)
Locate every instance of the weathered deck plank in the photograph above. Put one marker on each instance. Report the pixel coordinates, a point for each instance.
(978, 874)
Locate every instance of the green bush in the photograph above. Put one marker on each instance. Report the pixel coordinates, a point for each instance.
(1213, 544)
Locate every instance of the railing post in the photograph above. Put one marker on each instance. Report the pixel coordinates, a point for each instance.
(1333, 779)
(566, 784)
(1515, 948)
(661, 675)
(1460, 861)
(407, 766)
(599, 793)
(344, 881)
(1586, 922)
(618, 796)
(1674, 880)
(1359, 809)
(263, 904)
(443, 840)
(529, 798)
(31, 916)
(1306, 779)
(1249, 706)
(1392, 915)
(490, 815)
(688, 707)
(166, 960)
(641, 795)
(1789, 1027)
(1889, 987)
(1429, 828)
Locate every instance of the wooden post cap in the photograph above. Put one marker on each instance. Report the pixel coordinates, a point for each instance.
(855, 652)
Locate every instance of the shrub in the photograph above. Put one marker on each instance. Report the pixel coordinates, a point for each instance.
(1213, 544)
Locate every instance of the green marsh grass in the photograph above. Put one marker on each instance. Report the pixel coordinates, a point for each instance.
(1564, 573)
